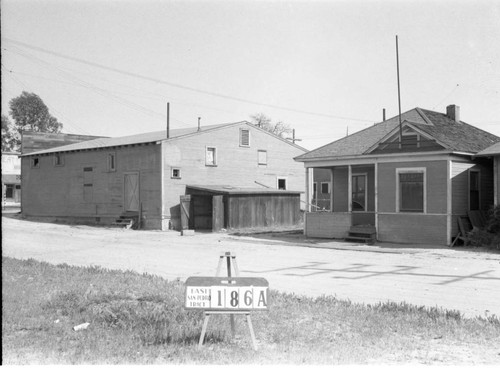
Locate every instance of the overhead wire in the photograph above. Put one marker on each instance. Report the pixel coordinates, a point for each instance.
(176, 85)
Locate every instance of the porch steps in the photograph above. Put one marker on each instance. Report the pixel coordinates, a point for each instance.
(127, 219)
(362, 234)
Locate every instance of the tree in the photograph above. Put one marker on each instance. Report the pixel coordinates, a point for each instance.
(30, 113)
(279, 128)
(9, 135)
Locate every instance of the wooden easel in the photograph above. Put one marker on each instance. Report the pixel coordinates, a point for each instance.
(230, 260)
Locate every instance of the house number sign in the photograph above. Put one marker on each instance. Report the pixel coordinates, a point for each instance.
(227, 293)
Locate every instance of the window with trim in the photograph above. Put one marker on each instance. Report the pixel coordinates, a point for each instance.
(325, 188)
(281, 183)
(112, 161)
(262, 157)
(474, 191)
(9, 191)
(35, 162)
(411, 190)
(58, 160)
(88, 184)
(176, 173)
(211, 156)
(244, 137)
(359, 196)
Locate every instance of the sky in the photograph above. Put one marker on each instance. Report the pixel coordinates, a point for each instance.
(326, 68)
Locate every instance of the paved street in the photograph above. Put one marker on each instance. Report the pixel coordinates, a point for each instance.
(456, 279)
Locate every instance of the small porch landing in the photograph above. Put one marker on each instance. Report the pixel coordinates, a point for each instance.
(362, 234)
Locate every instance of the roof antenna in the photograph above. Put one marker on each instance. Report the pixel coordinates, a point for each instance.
(399, 93)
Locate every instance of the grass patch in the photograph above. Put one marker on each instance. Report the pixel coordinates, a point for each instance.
(140, 319)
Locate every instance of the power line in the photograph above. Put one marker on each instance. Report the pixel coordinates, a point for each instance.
(176, 85)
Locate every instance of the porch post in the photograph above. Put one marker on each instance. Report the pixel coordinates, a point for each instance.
(331, 190)
(308, 189)
(449, 216)
(349, 188)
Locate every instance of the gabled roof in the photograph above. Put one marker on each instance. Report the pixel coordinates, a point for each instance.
(452, 135)
(151, 137)
(493, 150)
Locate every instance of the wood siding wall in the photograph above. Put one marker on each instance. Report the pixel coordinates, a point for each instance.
(236, 165)
(58, 191)
(436, 177)
(412, 228)
(251, 211)
(332, 225)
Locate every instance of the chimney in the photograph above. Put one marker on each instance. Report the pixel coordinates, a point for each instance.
(199, 125)
(453, 112)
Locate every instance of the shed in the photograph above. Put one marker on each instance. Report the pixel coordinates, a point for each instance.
(224, 206)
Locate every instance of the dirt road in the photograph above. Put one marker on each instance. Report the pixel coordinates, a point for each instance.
(455, 279)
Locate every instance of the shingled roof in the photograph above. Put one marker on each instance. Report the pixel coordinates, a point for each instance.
(455, 136)
(493, 150)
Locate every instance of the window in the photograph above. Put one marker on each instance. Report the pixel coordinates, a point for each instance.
(315, 190)
(176, 173)
(359, 192)
(58, 160)
(35, 162)
(112, 161)
(325, 188)
(88, 185)
(211, 156)
(474, 191)
(262, 157)
(244, 138)
(282, 183)
(9, 191)
(411, 190)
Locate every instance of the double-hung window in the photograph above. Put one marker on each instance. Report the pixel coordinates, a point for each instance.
(411, 191)
(210, 156)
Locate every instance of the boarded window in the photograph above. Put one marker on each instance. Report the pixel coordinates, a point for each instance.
(112, 161)
(411, 192)
(244, 137)
(211, 156)
(474, 189)
(88, 184)
(262, 159)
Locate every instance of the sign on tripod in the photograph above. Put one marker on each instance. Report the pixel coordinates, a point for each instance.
(227, 295)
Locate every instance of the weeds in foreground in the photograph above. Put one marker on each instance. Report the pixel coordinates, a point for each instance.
(140, 319)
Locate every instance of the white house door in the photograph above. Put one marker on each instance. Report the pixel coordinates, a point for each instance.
(131, 192)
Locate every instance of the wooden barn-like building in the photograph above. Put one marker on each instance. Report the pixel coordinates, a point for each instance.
(144, 176)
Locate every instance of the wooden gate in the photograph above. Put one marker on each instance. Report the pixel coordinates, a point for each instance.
(131, 192)
(217, 213)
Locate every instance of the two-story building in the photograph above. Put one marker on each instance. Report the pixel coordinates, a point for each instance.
(101, 179)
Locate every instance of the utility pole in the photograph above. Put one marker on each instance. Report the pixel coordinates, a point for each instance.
(168, 120)
(293, 139)
(399, 94)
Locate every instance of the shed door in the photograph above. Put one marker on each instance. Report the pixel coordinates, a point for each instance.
(131, 192)
(217, 213)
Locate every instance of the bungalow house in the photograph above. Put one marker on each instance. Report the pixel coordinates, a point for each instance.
(494, 152)
(405, 185)
(99, 180)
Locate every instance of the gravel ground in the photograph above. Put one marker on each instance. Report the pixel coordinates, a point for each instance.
(463, 279)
